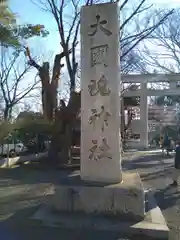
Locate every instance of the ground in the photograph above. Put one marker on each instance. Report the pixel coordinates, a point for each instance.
(156, 171)
(23, 188)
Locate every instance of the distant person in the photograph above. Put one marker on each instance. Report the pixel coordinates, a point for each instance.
(40, 143)
(176, 171)
(161, 141)
(172, 145)
(167, 144)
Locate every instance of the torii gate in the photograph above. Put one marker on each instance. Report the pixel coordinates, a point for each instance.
(144, 92)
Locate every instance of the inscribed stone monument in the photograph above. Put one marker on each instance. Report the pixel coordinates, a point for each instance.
(100, 142)
(100, 90)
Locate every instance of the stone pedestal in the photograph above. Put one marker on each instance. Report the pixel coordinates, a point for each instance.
(100, 94)
(117, 209)
(124, 200)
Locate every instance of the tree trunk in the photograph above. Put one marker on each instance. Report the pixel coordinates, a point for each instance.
(64, 125)
(47, 93)
(66, 144)
(7, 112)
(49, 85)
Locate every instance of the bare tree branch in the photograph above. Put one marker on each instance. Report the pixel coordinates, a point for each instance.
(11, 76)
(167, 38)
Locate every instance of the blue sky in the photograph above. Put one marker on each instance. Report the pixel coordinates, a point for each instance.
(27, 12)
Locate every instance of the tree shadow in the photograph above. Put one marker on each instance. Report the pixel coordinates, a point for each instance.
(34, 172)
(150, 161)
(19, 227)
(167, 197)
(144, 161)
(157, 174)
(25, 175)
(38, 172)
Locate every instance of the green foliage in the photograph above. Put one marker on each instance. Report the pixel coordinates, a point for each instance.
(25, 130)
(7, 19)
(6, 129)
(169, 100)
(10, 33)
(6, 16)
(28, 129)
(30, 30)
(14, 35)
(170, 130)
(131, 101)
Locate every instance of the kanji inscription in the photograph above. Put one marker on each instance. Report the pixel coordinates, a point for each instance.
(104, 150)
(99, 55)
(100, 86)
(99, 25)
(100, 152)
(102, 116)
(93, 117)
(93, 151)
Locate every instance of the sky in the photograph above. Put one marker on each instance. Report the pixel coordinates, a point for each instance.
(28, 12)
(165, 3)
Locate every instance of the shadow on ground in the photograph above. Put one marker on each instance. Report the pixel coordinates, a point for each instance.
(38, 172)
(167, 171)
(168, 197)
(35, 173)
(23, 188)
(168, 200)
(31, 174)
(153, 160)
(19, 227)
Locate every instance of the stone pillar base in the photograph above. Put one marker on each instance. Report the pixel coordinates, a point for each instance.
(126, 199)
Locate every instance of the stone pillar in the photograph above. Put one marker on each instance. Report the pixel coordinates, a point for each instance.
(144, 116)
(100, 94)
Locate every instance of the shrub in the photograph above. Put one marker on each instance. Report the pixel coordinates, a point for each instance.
(28, 129)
